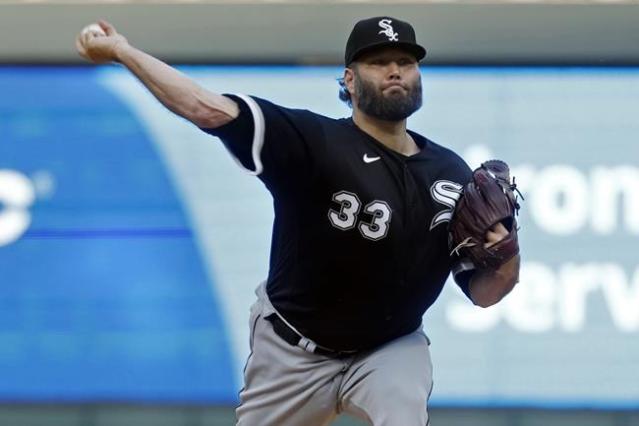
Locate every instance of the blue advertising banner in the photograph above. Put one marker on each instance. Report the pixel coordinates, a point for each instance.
(104, 295)
(131, 243)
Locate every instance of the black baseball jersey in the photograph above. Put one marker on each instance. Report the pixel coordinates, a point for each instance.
(360, 238)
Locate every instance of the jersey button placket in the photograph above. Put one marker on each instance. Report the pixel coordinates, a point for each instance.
(406, 233)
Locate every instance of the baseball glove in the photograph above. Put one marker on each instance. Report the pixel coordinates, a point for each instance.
(486, 200)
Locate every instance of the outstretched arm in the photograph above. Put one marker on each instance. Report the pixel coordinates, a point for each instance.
(172, 88)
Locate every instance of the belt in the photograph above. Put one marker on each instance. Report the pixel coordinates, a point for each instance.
(292, 337)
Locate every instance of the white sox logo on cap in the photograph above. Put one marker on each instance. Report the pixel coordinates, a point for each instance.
(388, 30)
(366, 36)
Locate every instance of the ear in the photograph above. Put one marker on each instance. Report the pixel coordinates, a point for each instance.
(349, 80)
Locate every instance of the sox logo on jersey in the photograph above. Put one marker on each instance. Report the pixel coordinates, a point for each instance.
(447, 193)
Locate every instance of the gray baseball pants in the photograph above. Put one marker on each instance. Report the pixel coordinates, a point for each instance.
(285, 385)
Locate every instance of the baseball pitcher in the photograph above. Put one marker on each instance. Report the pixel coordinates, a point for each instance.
(370, 220)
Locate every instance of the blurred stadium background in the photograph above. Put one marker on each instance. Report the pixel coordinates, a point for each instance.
(130, 243)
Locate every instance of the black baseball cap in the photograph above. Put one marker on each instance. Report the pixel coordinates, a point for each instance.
(382, 31)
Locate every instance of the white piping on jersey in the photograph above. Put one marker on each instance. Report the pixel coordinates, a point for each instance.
(258, 136)
(462, 266)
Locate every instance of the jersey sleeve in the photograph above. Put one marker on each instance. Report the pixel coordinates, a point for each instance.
(463, 270)
(268, 141)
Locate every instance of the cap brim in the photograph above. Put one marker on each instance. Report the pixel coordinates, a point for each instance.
(415, 49)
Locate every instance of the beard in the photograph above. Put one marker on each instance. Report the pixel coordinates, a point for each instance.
(395, 106)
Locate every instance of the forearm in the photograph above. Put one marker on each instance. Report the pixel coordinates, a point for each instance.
(487, 287)
(176, 91)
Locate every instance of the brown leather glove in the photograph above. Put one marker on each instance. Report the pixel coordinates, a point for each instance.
(486, 200)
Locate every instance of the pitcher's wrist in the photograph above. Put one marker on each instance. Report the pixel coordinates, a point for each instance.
(119, 50)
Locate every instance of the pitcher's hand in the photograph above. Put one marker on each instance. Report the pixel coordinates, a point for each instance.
(495, 234)
(98, 48)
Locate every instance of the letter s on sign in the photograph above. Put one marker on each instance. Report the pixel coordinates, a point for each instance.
(16, 196)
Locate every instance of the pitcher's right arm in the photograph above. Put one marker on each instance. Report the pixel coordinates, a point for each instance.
(173, 89)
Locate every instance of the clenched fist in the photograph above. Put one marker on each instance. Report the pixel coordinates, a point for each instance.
(100, 48)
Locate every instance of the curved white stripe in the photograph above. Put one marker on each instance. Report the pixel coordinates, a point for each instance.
(463, 266)
(258, 136)
(228, 209)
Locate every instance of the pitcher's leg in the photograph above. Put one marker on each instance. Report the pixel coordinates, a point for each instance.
(391, 385)
(285, 385)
